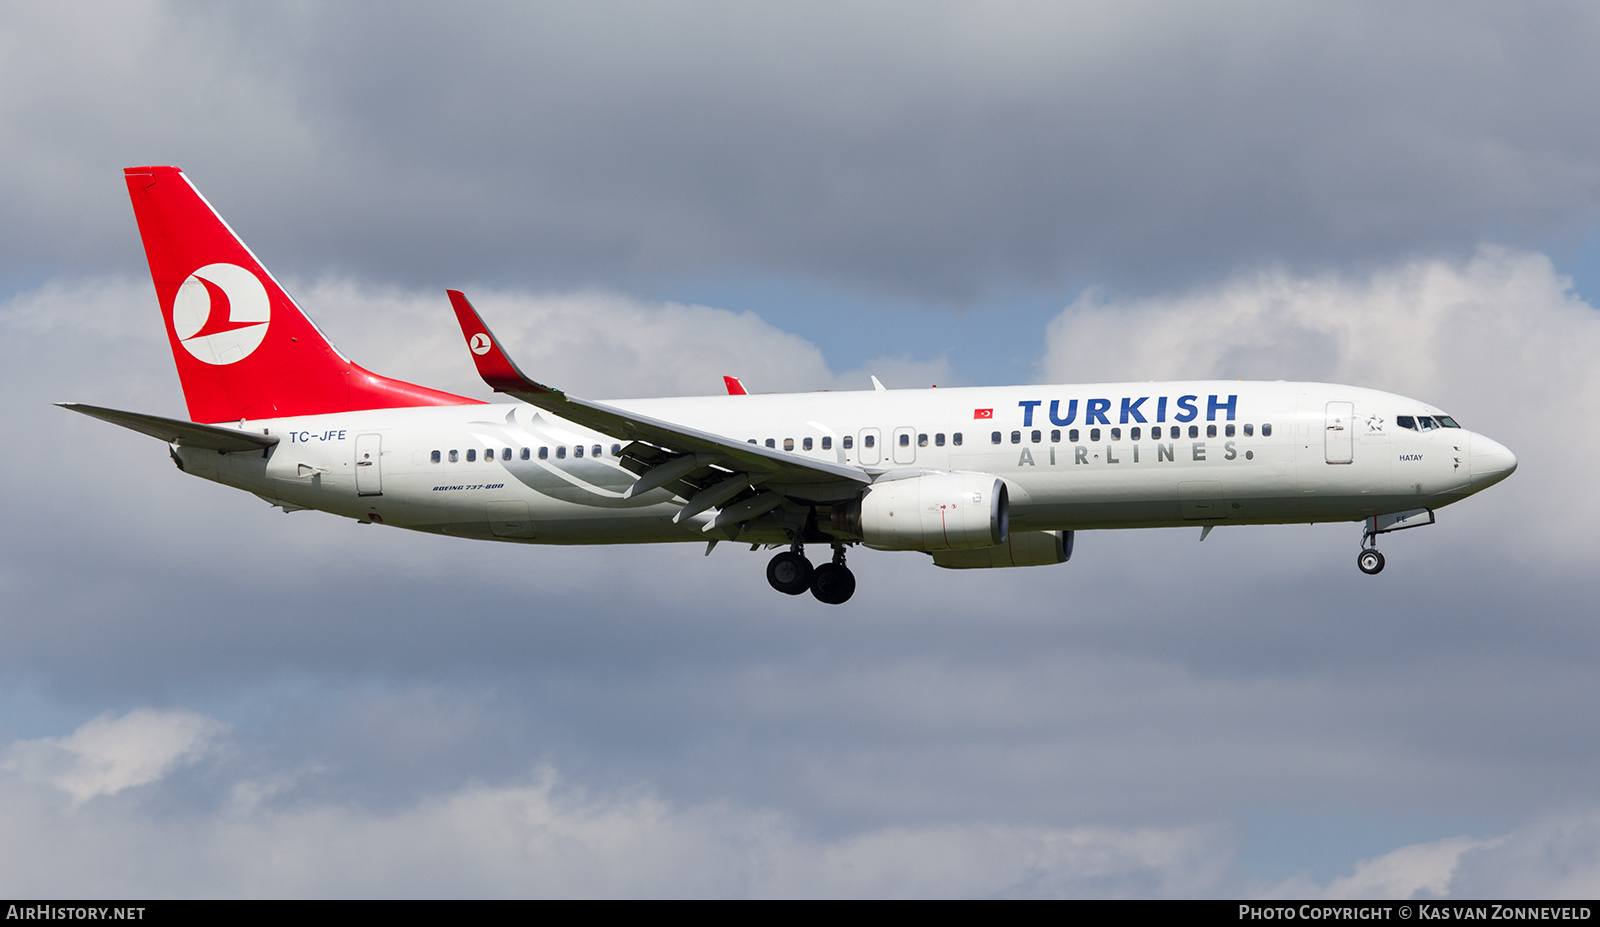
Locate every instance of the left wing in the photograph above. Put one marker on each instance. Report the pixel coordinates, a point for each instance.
(664, 452)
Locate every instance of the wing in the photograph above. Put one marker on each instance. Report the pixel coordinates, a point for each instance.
(172, 431)
(664, 452)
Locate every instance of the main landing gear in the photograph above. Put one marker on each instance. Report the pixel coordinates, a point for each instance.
(832, 583)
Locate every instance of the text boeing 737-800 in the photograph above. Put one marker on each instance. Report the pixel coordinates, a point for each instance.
(977, 477)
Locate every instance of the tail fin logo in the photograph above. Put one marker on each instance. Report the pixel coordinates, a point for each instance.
(480, 343)
(221, 313)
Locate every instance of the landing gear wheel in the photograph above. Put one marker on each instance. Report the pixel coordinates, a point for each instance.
(1370, 562)
(833, 584)
(790, 573)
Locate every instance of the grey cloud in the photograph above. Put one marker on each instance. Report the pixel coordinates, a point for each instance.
(942, 152)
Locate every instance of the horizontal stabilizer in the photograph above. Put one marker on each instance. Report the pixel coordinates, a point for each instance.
(172, 431)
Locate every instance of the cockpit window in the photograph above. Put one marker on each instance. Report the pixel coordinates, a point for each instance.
(1426, 423)
(1406, 421)
(1446, 421)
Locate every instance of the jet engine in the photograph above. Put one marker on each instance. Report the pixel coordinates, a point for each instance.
(1022, 548)
(935, 511)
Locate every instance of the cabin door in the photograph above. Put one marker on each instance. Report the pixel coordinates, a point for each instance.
(1338, 436)
(369, 466)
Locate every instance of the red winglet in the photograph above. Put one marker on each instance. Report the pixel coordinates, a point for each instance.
(494, 366)
(735, 388)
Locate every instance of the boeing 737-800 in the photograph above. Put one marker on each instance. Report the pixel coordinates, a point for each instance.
(984, 477)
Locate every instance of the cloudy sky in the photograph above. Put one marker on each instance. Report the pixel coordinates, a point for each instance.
(200, 695)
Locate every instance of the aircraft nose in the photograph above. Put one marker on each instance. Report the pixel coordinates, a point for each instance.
(1491, 461)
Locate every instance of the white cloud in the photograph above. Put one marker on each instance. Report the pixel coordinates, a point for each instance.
(109, 754)
(1500, 341)
(533, 836)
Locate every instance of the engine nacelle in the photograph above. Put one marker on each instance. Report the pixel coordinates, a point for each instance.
(1022, 548)
(938, 511)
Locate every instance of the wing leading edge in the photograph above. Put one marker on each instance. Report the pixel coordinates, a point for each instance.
(747, 465)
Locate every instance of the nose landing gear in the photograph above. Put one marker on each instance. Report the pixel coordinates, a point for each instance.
(791, 574)
(1369, 561)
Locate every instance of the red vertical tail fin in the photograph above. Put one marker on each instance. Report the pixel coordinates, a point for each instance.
(244, 349)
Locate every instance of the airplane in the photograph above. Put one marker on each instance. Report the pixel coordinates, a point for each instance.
(975, 477)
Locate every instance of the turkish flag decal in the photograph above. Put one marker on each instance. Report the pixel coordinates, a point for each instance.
(983, 413)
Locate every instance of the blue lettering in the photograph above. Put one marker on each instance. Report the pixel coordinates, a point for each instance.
(1212, 405)
(1161, 409)
(1094, 412)
(1028, 405)
(1055, 412)
(1186, 403)
(1132, 408)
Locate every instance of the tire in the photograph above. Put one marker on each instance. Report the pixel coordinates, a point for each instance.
(833, 584)
(789, 573)
(1370, 562)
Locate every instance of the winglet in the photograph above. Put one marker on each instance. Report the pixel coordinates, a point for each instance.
(496, 368)
(735, 388)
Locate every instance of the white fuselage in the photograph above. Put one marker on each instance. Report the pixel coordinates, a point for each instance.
(1122, 455)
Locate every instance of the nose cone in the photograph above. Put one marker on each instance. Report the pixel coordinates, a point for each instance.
(1491, 462)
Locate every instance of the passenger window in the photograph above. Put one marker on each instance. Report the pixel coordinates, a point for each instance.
(1155, 433)
(956, 439)
(772, 443)
(754, 441)
(1133, 433)
(922, 441)
(526, 453)
(905, 440)
(598, 450)
(1094, 434)
(453, 456)
(435, 456)
(577, 451)
(869, 441)
(1073, 436)
(561, 452)
(1016, 437)
(1036, 437)
(848, 441)
(1055, 436)
(1227, 431)
(1194, 430)
(938, 440)
(1249, 430)
(788, 444)
(994, 437)
(1266, 430)
(827, 443)
(472, 454)
(1211, 431)
(805, 444)
(616, 450)
(1116, 434)
(544, 453)
(505, 454)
